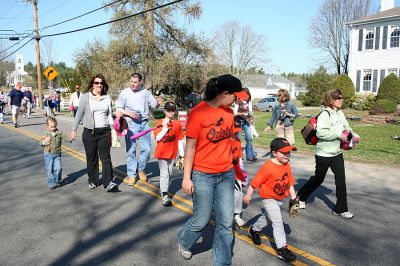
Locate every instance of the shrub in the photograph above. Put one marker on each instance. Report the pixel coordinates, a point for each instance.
(363, 101)
(383, 106)
(390, 89)
(344, 83)
(317, 84)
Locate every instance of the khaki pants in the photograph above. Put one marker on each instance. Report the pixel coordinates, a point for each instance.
(285, 132)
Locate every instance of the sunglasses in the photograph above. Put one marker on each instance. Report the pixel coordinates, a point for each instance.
(340, 98)
(98, 83)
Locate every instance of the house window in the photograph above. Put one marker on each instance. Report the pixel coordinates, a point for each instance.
(367, 80)
(394, 37)
(392, 71)
(369, 40)
(19, 61)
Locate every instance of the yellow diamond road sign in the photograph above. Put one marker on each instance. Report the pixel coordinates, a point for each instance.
(50, 73)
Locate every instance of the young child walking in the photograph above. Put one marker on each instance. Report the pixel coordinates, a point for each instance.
(169, 136)
(51, 141)
(275, 181)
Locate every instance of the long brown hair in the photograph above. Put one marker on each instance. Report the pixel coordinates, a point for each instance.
(248, 92)
(330, 96)
(285, 95)
(104, 90)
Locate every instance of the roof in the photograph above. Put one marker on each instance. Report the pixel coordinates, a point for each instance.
(260, 80)
(390, 13)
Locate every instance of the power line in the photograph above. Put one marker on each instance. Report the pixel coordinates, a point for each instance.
(17, 49)
(14, 44)
(48, 11)
(87, 13)
(111, 21)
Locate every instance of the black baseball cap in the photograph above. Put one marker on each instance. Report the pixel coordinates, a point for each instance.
(231, 84)
(170, 106)
(281, 145)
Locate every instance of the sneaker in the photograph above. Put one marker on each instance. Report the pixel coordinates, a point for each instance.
(346, 215)
(286, 255)
(186, 254)
(166, 201)
(53, 187)
(239, 221)
(112, 187)
(131, 180)
(16, 125)
(253, 159)
(142, 176)
(255, 236)
(92, 186)
(302, 205)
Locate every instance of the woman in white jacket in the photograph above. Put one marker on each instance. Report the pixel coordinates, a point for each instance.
(74, 101)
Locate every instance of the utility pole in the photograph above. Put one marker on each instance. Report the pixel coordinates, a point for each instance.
(37, 38)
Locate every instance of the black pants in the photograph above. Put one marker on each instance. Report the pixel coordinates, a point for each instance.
(322, 164)
(98, 144)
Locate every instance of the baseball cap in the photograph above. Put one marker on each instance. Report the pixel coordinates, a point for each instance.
(281, 145)
(170, 106)
(231, 84)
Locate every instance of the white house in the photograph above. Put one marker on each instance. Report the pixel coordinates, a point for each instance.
(374, 47)
(18, 74)
(261, 85)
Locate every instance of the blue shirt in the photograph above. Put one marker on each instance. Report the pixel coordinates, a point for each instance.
(136, 101)
(16, 97)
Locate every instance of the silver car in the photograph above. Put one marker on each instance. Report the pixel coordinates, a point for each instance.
(266, 104)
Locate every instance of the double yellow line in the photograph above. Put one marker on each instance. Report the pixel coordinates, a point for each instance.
(177, 200)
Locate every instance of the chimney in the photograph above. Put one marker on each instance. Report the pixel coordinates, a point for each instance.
(386, 4)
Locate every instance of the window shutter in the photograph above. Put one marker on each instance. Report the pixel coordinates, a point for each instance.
(385, 32)
(360, 39)
(377, 37)
(382, 76)
(358, 80)
(374, 80)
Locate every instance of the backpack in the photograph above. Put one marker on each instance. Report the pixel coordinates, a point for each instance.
(309, 131)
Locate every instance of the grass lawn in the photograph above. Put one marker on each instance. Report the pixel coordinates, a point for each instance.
(376, 144)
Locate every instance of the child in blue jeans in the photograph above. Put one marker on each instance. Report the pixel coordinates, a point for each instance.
(51, 141)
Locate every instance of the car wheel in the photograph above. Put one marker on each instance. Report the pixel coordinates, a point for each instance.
(270, 108)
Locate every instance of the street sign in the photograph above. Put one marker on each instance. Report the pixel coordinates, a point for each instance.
(50, 73)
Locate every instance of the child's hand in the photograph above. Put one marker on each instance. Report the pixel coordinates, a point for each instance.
(247, 199)
(47, 139)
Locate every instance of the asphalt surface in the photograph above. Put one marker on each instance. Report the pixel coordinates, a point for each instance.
(74, 225)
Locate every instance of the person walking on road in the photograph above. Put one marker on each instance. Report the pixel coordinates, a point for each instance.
(14, 102)
(133, 103)
(52, 141)
(208, 170)
(74, 101)
(331, 125)
(28, 96)
(96, 111)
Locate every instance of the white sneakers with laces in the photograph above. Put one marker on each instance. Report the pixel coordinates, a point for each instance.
(346, 215)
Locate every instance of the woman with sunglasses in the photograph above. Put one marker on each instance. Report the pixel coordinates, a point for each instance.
(96, 111)
(330, 132)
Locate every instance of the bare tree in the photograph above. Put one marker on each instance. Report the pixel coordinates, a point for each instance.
(328, 30)
(239, 47)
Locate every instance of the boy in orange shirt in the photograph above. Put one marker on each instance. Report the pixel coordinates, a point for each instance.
(275, 181)
(169, 136)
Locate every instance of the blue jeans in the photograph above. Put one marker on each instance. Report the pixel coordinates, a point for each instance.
(247, 136)
(211, 191)
(132, 164)
(53, 168)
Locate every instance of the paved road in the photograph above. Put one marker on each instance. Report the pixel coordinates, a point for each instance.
(77, 226)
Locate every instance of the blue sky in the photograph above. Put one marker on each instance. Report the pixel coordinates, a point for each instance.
(285, 23)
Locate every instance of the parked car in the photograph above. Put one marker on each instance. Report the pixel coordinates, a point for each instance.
(266, 104)
(192, 99)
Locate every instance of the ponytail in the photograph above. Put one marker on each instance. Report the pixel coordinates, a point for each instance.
(211, 90)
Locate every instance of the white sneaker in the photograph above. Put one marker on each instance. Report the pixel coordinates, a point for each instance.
(302, 205)
(239, 221)
(166, 201)
(186, 254)
(346, 215)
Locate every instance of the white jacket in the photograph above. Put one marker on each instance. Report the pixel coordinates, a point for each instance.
(74, 99)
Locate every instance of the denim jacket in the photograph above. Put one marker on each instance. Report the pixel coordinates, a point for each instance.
(278, 114)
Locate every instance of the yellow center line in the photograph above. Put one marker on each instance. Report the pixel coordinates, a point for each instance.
(176, 199)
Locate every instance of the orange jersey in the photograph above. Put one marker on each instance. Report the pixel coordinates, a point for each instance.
(237, 153)
(213, 130)
(273, 180)
(167, 147)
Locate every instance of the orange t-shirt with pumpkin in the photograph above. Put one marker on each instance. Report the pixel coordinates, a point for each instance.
(167, 147)
(273, 180)
(213, 130)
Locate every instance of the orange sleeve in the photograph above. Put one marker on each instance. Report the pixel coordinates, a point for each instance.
(291, 177)
(194, 124)
(260, 177)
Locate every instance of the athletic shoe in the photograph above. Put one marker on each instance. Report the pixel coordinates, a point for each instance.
(239, 221)
(142, 176)
(112, 187)
(92, 186)
(252, 159)
(131, 180)
(53, 187)
(302, 205)
(346, 215)
(286, 255)
(16, 125)
(255, 236)
(166, 201)
(186, 254)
